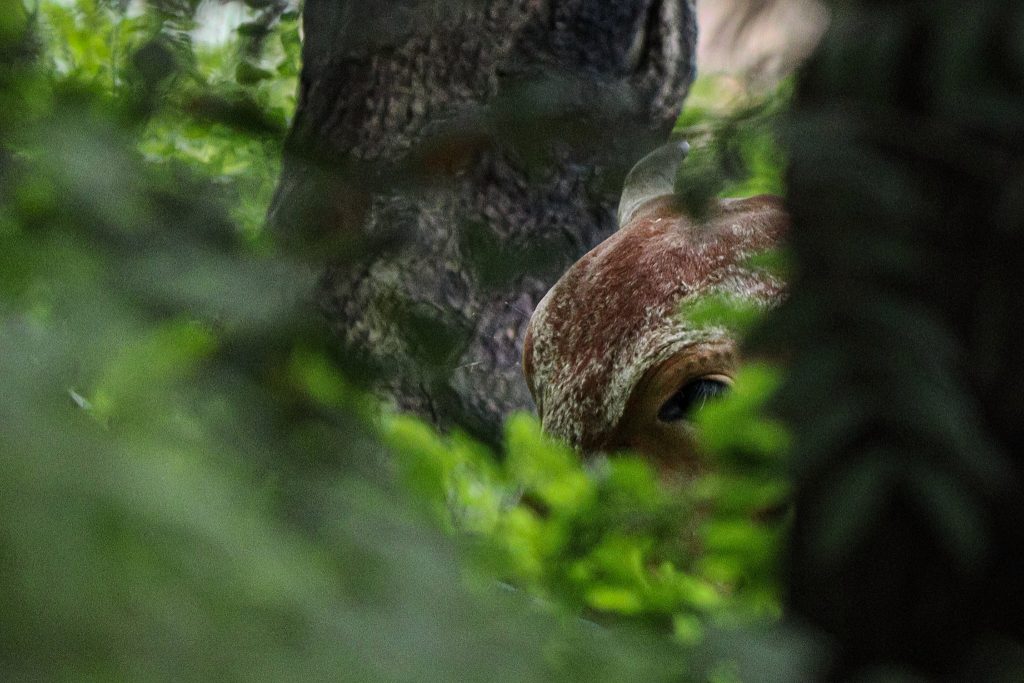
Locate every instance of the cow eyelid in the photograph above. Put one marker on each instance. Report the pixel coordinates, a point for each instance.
(691, 397)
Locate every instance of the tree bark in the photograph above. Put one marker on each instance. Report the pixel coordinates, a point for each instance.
(453, 159)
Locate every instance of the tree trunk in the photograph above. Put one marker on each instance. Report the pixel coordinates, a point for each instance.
(904, 326)
(454, 159)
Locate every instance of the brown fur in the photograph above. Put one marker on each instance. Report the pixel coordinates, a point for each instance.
(613, 316)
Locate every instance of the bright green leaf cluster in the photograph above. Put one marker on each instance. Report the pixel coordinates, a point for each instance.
(608, 536)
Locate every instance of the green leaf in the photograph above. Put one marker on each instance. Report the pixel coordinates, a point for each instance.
(248, 73)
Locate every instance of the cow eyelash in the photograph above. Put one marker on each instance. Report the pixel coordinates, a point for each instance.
(691, 397)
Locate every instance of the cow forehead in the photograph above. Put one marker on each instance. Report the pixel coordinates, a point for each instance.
(615, 312)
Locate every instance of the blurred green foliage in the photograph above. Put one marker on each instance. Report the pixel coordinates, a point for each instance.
(735, 146)
(192, 489)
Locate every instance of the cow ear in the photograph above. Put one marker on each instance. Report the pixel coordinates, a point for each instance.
(652, 177)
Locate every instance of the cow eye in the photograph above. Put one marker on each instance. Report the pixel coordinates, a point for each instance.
(690, 398)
